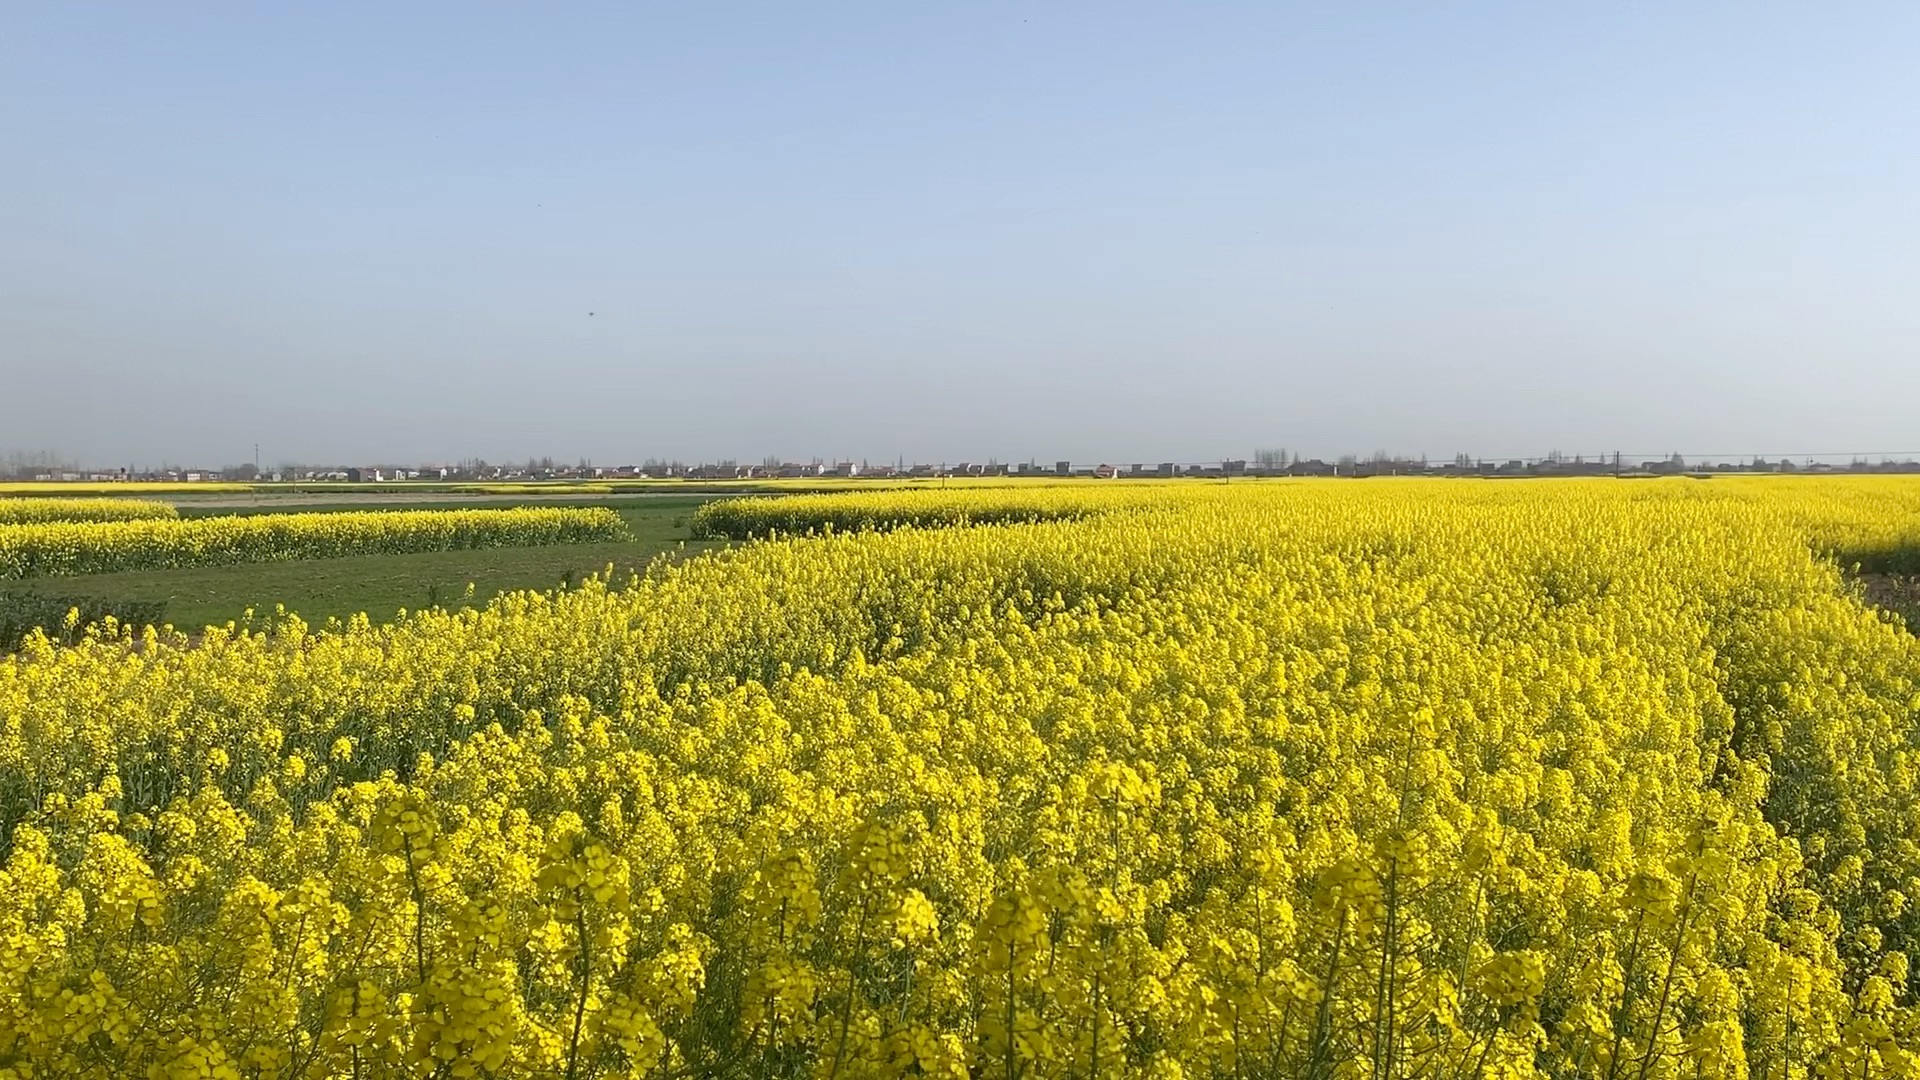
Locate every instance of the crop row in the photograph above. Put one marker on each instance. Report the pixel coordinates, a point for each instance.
(880, 511)
(1873, 522)
(62, 548)
(30, 511)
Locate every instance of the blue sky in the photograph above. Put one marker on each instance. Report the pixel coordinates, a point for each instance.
(1101, 232)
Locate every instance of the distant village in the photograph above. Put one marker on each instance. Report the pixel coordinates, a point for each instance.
(1263, 464)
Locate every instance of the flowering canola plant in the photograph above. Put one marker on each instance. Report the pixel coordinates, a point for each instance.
(963, 504)
(94, 547)
(1400, 779)
(24, 511)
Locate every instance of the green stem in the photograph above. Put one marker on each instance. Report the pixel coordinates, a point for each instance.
(1323, 1020)
(586, 983)
(1666, 985)
(1384, 990)
(419, 909)
(1013, 1071)
(1093, 1064)
(1626, 996)
(846, 1009)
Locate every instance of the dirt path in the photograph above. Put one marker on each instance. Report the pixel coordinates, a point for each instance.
(1891, 592)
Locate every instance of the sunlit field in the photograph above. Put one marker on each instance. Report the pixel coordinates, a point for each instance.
(1297, 779)
(52, 548)
(15, 511)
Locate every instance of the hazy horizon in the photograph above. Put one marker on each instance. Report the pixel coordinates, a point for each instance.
(360, 233)
(16, 462)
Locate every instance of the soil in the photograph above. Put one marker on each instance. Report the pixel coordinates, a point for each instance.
(1896, 593)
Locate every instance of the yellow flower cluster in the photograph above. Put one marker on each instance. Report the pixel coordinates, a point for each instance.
(1394, 780)
(24, 511)
(894, 508)
(55, 548)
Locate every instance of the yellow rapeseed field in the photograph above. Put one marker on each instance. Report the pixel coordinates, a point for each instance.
(66, 547)
(24, 511)
(1383, 780)
(930, 507)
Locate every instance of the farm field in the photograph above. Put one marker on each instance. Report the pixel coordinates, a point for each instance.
(519, 489)
(380, 584)
(1391, 779)
(34, 511)
(71, 548)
